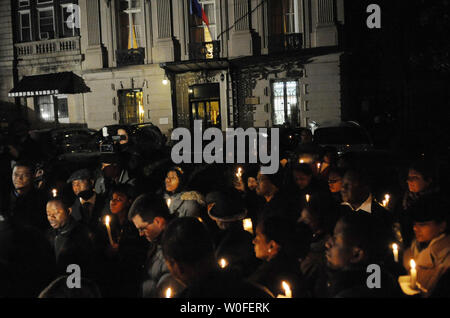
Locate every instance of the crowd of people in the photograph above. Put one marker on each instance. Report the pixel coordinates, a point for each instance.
(309, 230)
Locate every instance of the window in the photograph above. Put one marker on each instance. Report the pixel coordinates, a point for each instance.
(24, 3)
(66, 12)
(46, 107)
(285, 103)
(199, 31)
(25, 26)
(46, 23)
(284, 17)
(130, 24)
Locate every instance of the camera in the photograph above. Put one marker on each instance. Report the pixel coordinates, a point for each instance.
(111, 144)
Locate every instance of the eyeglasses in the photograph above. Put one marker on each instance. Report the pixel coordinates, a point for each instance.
(143, 228)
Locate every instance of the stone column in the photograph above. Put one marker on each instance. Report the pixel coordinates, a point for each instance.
(324, 26)
(91, 45)
(164, 48)
(241, 41)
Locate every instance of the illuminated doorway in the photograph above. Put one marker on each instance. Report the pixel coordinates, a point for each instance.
(131, 106)
(204, 101)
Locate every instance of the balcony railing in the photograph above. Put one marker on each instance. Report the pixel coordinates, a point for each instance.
(54, 46)
(280, 43)
(204, 50)
(130, 57)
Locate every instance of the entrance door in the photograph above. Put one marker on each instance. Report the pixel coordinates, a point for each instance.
(204, 105)
(131, 106)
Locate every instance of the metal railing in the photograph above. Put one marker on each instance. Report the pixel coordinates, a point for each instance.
(130, 56)
(204, 50)
(279, 43)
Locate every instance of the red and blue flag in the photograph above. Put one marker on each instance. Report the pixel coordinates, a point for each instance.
(196, 9)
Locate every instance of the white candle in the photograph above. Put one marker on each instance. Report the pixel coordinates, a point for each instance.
(307, 197)
(54, 193)
(248, 225)
(287, 289)
(169, 201)
(395, 251)
(108, 228)
(413, 274)
(223, 263)
(168, 292)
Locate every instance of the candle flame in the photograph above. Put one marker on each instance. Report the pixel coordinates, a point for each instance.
(248, 225)
(107, 220)
(301, 161)
(239, 172)
(200, 219)
(395, 247)
(318, 165)
(169, 292)
(54, 192)
(287, 289)
(412, 263)
(307, 197)
(223, 263)
(169, 201)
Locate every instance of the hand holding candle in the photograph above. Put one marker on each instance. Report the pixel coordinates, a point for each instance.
(287, 290)
(168, 293)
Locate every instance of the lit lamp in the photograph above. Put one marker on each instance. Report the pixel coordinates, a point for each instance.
(108, 228)
(223, 263)
(395, 251)
(287, 290)
(248, 225)
(413, 274)
(168, 293)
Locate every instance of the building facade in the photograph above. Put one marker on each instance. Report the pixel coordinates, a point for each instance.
(257, 63)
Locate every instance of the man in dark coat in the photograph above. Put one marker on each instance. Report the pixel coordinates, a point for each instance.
(233, 243)
(88, 206)
(25, 204)
(71, 241)
(189, 253)
(150, 215)
(353, 247)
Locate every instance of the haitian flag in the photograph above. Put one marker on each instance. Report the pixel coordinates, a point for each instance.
(196, 9)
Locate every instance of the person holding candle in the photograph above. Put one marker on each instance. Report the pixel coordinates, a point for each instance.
(353, 246)
(420, 182)
(431, 247)
(72, 242)
(277, 245)
(182, 203)
(189, 253)
(233, 243)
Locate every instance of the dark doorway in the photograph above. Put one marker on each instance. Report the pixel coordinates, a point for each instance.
(204, 105)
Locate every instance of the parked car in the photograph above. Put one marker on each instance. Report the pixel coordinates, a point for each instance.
(346, 137)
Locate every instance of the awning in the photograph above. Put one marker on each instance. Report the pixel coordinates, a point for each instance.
(197, 65)
(49, 84)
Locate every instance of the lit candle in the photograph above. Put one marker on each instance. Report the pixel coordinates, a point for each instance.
(168, 202)
(413, 274)
(54, 193)
(108, 228)
(318, 166)
(387, 197)
(287, 290)
(248, 225)
(200, 219)
(169, 292)
(223, 263)
(301, 161)
(307, 197)
(395, 251)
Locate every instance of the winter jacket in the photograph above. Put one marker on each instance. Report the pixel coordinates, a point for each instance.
(188, 203)
(432, 262)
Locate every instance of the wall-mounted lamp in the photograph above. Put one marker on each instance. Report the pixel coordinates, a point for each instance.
(165, 81)
(190, 90)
